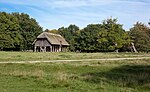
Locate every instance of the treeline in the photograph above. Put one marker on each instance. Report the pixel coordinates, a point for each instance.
(17, 31)
(106, 37)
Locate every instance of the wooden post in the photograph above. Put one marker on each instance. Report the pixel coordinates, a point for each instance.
(60, 47)
(57, 49)
(34, 48)
(50, 48)
(44, 48)
(40, 49)
(54, 48)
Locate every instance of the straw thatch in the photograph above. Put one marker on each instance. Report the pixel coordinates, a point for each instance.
(49, 42)
(54, 39)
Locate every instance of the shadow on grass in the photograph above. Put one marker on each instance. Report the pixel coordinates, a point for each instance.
(126, 75)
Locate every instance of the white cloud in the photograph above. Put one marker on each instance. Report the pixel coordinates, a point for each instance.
(54, 13)
(69, 3)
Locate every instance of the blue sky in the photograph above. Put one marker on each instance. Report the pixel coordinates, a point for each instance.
(53, 14)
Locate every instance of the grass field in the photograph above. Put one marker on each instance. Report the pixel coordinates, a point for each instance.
(31, 56)
(91, 76)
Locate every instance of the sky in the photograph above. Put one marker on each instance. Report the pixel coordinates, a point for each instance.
(53, 14)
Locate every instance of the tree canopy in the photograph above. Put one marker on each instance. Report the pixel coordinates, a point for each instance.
(112, 36)
(17, 31)
(9, 37)
(29, 29)
(140, 34)
(70, 33)
(107, 36)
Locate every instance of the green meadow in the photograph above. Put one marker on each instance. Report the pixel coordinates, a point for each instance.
(84, 76)
(34, 56)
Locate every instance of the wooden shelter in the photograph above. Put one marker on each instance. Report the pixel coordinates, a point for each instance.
(49, 42)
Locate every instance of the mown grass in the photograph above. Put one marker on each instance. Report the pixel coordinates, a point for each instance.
(32, 56)
(93, 76)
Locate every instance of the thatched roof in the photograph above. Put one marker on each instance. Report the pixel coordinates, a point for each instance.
(53, 38)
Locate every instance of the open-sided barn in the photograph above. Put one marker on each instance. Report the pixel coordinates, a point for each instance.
(49, 42)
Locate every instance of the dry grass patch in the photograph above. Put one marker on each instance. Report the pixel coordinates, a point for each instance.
(19, 73)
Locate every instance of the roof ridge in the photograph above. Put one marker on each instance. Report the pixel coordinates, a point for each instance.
(53, 34)
(53, 38)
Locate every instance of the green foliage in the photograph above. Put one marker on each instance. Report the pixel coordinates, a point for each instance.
(70, 33)
(10, 39)
(140, 34)
(30, 29)
(107, 36)
(87, 39)
(52, 31)
(112, 36)
(18, 31)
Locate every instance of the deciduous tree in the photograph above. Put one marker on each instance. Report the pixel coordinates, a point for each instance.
(29, 29)
(10, 39)
(140, 34)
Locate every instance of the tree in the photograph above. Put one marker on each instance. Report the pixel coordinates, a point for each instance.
(87, 38)
(29, 29)
(17, 31)
(69, 33)
(52, 31)
(10, 39)
(112, 36)
(108, 36)
(140, 34)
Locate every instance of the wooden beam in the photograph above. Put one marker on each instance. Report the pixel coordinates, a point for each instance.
(34, 48)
